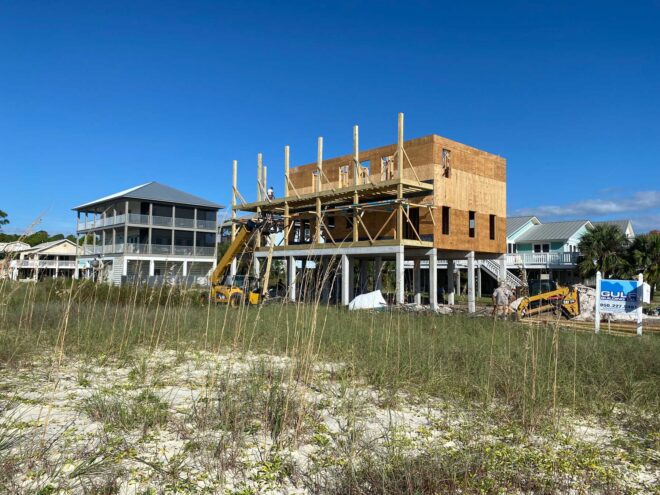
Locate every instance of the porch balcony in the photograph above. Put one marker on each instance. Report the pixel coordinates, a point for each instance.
(156, 249)
(542, 260)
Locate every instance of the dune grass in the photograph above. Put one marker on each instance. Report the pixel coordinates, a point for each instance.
(533, 370)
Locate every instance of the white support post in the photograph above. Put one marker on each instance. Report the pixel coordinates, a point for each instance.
(597, 312)
(433, 278)
(152, 268)
(457, 275)
(184, 270)
(451, 287)
(256, 265)
(378, 273)
(291, 277)
(399, 276)
(502, 262)
(640, 316)
(417, 283)
(470, 283)
(124, 270)
(57, 266)
(346, 276)
(351, 277)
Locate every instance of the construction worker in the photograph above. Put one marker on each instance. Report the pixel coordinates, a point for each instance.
(271, 193)
(501, 300)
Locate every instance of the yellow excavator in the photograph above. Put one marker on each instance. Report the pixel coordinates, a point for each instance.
(238, 289)
(550, 297)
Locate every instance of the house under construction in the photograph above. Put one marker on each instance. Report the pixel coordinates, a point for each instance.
(419, 201)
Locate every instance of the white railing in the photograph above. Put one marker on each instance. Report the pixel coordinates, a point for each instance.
(206, 224)
(543, 259)
(183, 250)
(187, 223)
(138, 219)
(164, 221)
(62, 264)
(161, 249)
(204, 251)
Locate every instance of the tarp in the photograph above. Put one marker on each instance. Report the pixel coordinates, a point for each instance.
(370, 300)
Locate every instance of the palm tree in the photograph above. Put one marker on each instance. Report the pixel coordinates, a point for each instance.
(644, 257)
(604, 249)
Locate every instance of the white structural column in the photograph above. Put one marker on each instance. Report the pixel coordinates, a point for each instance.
(291, 277)
(470, 282)
(351, 277)
(124, 270)
(364, 275)
(184, 270)
(457, 275)
(152, 267)
(256, 265)
(378, 273)
(433, 278)
(502, 261)
(451, 287)
(345, 278)
(417, 282)
(399, 276)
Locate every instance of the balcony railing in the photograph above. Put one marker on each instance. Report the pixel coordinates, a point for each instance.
(61, 264)
(138, 219)
(186, 223)
(206, 224)
(161, 221)
(542, 259)
(158, 249)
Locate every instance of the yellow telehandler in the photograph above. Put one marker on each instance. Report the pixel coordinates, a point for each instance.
(238, 289)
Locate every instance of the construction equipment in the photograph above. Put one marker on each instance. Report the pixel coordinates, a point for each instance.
(560, 301)
(237, 289)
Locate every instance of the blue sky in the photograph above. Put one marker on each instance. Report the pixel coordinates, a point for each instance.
(96, 97)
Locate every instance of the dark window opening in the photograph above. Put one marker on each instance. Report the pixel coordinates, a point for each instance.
(331, 222)
(445, 220)
(472, 224)
(492, 227)
(409, 228)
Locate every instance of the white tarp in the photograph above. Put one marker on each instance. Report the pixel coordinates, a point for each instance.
(370, 300)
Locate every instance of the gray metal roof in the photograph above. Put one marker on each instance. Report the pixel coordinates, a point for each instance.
(622, 224)
(156, 192)
(553, 231)
(513, 224)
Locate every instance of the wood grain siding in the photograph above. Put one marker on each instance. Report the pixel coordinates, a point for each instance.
(475, 182)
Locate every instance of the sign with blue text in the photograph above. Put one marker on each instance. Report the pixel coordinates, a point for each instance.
(618, 296)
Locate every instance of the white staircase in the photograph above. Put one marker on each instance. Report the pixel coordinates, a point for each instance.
(493, 269)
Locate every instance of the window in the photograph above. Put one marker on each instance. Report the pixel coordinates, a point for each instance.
(343, 176)
(491, 227)
(472, 223)
(363, 172)
(541, 248)
(387, 168)
(445, 161)
(331, 222)
(445, 220)
(511, 248)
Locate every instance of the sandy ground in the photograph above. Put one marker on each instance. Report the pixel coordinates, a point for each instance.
(52, 441)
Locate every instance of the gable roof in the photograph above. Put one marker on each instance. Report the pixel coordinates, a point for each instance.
(13, 247)
(553, 231)
(47, 245)
(514, 224)
(157, 192)
(622, 224)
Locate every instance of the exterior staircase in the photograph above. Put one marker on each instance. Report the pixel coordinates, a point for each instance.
(493, 269)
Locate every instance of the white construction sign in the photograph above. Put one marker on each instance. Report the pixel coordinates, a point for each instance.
(619, 296)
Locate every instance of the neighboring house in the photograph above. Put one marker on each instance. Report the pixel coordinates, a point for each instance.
(12, 248)
(46, 260)
(624, 225)
(151, 230)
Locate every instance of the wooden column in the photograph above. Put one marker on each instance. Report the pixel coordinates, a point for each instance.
(286, 195)
(319, 169)
(234, 186)
(356, 198)
(399, 189)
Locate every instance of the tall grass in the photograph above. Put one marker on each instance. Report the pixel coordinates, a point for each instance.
(532, 370)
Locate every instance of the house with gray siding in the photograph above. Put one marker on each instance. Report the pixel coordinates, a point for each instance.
(151, 230)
